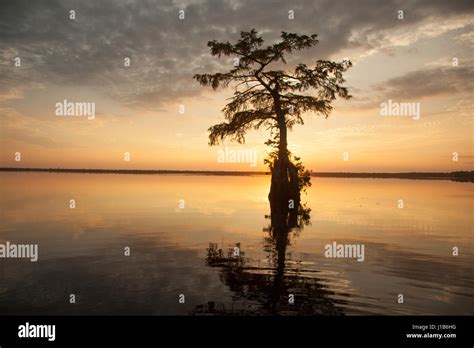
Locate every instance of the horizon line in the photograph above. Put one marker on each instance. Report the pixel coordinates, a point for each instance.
(466, 175)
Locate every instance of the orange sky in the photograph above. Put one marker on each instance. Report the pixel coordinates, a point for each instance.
(137, 107)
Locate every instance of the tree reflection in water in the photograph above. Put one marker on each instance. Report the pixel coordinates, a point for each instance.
(268, 290)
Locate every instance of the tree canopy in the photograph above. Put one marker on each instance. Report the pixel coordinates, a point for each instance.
(277, 98)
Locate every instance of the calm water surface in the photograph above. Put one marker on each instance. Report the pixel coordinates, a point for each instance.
(81, 251)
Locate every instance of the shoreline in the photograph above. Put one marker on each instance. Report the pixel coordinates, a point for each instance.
(463, 176)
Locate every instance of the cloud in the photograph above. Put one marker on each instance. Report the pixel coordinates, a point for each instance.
(438, 78)
(428, 83)
(165, 52)
(17, 128)
(466, 38)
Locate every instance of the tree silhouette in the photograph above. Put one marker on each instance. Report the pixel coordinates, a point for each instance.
(274, 99)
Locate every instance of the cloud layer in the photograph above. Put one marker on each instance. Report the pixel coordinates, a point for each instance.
(165, 51)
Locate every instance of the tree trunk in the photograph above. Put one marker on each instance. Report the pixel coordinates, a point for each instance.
(284, 191)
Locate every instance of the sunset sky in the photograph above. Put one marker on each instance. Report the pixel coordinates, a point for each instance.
(137, 107)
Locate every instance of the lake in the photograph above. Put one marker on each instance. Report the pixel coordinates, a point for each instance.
(169, 221)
